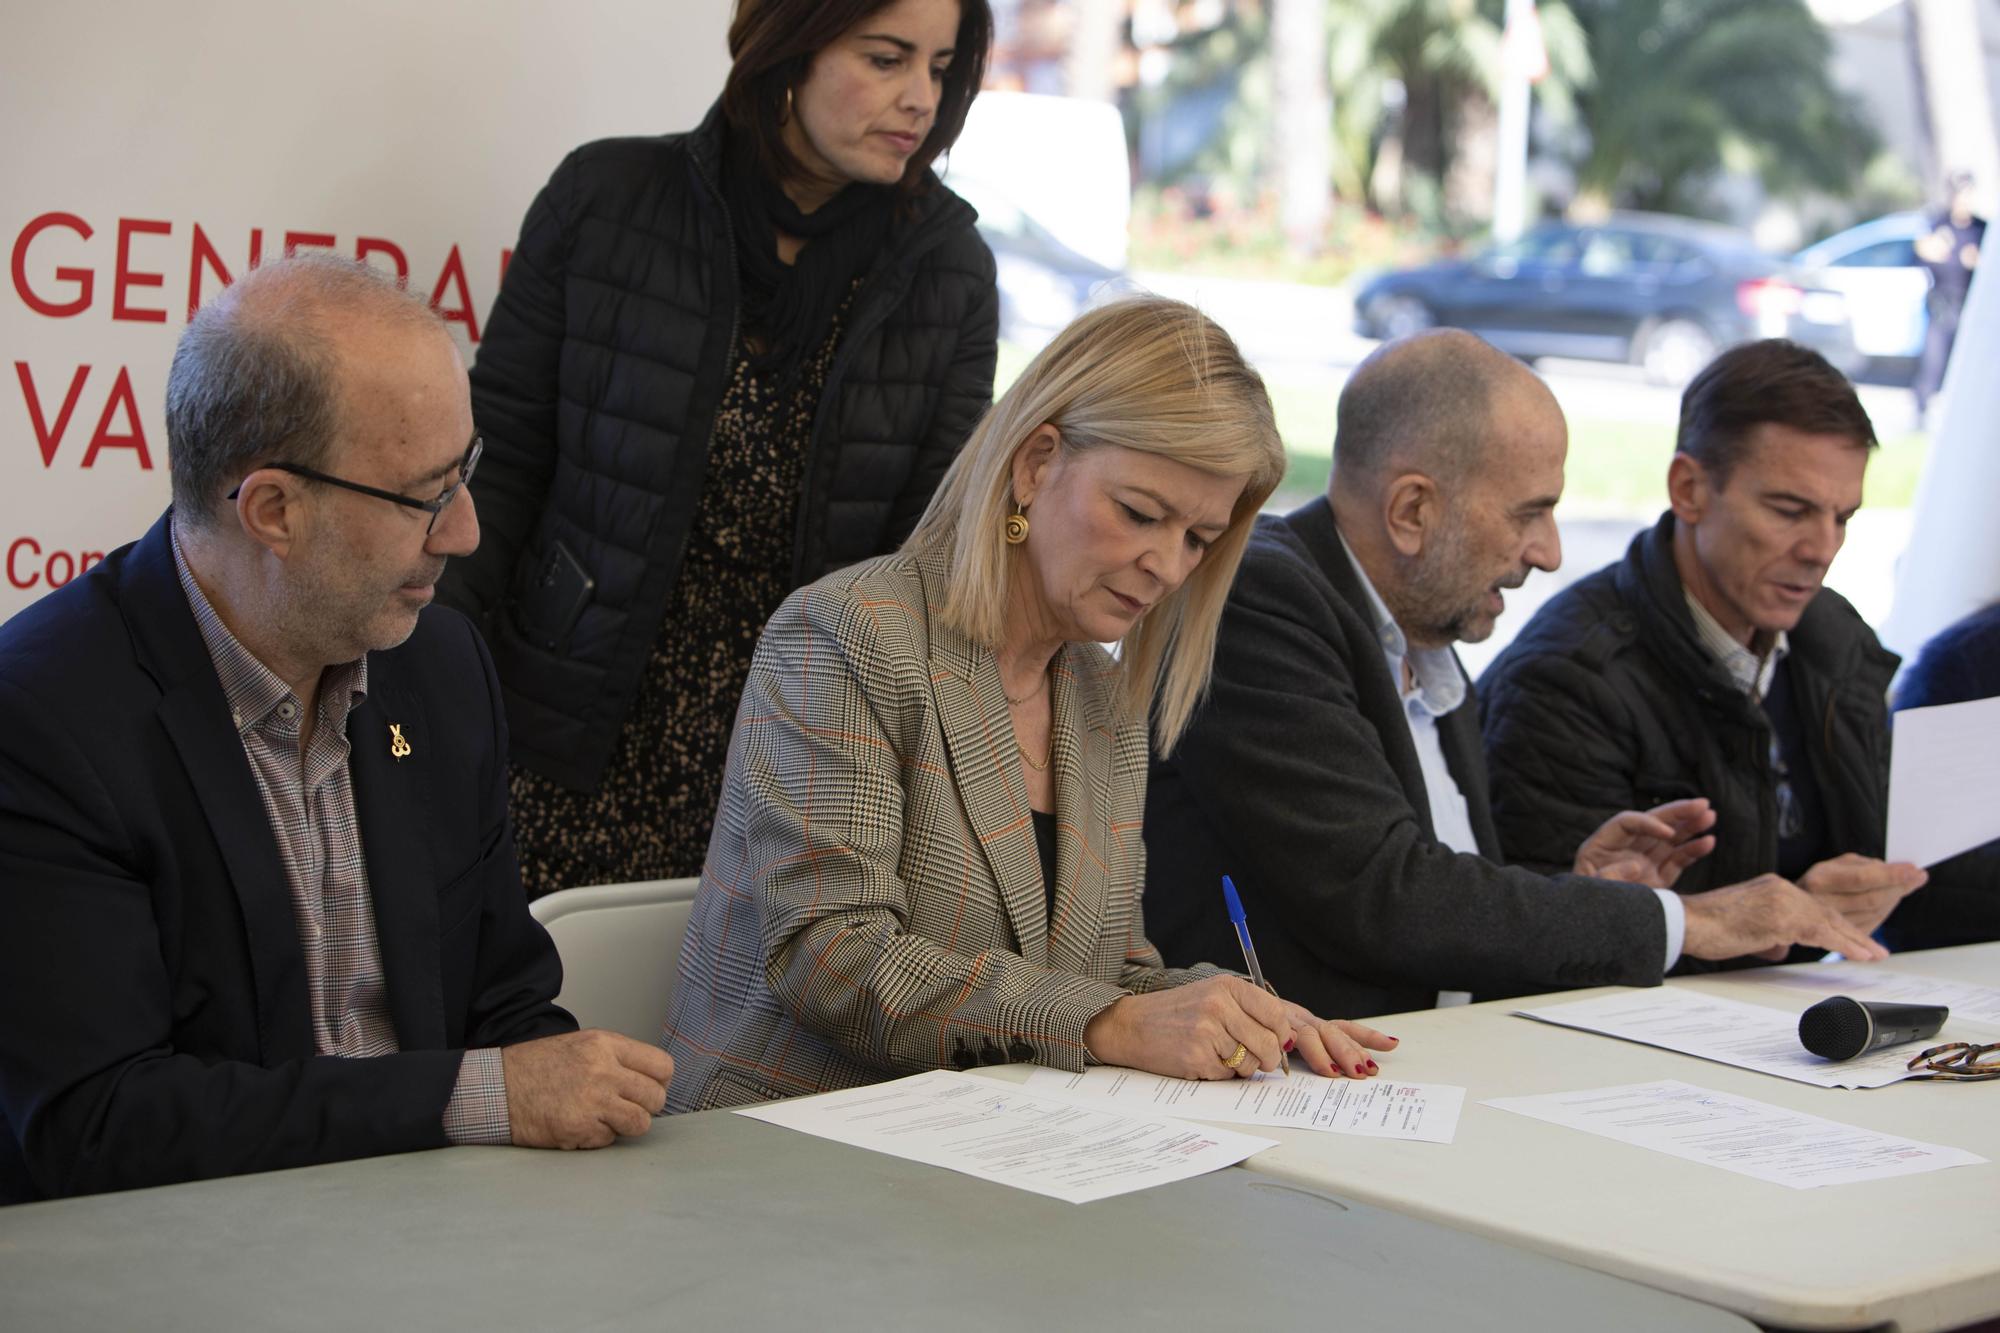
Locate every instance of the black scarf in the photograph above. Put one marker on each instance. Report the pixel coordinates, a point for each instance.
(788, 308)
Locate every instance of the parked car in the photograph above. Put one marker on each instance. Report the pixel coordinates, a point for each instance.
(1664, 293)
(1043, 283)
(1875, 266)
(1057, 223)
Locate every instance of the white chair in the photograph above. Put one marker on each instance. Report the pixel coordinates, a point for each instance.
(620, 946)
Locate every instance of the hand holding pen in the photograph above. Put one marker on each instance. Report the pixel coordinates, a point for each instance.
(1198, 1029)
(1306, 1024)
(1242, 924)
(1225, 1027)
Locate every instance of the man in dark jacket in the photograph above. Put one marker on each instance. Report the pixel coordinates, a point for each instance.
(1334, 771)
(1710, 661)
(258, 900)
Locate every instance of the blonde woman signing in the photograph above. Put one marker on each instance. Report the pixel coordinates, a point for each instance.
(927, 853)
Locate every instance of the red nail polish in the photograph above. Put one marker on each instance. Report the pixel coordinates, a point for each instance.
(1288, 1045)
(1371, 1066)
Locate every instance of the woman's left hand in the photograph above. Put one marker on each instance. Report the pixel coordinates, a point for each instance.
(1336, 1047)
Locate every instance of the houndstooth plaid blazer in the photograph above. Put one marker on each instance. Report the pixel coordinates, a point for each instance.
(872, 903)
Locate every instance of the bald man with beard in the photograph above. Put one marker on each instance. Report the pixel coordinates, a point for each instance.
(1335, 771)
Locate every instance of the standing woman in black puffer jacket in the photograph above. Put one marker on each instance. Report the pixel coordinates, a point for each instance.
(722, 364)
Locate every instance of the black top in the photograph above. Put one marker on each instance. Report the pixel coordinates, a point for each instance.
(650, 816)
(1045, 843)
(597, 389)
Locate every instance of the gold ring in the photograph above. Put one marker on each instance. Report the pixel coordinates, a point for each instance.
(1237, 1059)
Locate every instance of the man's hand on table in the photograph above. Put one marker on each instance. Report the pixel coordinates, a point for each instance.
(1766, 916)
(583, 1089)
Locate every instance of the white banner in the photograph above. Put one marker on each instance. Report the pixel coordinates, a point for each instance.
(1952, 566)
(155, 150)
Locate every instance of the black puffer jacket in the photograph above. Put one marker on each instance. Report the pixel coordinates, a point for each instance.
(596, 388)
(1607, 702)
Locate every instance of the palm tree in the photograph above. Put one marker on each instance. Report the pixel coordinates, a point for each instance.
(1094, 44)
(1951, 74)
(1686, 88)
(1301, 121)
(1441, 54)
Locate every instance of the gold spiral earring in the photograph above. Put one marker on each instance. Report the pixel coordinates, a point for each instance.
(1017, 525)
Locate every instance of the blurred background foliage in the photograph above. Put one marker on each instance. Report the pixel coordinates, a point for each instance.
(1662, 105)
(1687, 87)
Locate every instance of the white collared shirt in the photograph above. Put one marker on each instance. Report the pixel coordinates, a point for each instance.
(1751, 672)
(1437, 687)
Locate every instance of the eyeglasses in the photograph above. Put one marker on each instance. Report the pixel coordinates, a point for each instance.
(431, 507)
(1961, 1062)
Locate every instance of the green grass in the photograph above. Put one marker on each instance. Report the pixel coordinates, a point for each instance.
(1892, 476)
(1014, 359)
(1615, 467)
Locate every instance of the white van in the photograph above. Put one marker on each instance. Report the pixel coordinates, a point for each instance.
(1053, 185)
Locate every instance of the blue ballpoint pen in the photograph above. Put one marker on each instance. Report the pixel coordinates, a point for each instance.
(1237, 920)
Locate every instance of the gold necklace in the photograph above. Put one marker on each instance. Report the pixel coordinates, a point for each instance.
(1027, 758)
(1024, 698)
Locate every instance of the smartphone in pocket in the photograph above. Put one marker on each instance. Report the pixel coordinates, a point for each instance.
(554, 598)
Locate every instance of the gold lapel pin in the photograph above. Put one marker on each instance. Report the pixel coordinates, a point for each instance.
(397, 745)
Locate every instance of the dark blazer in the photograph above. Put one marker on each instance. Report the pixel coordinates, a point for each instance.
(154, 1018)
(1299, 780)
(596, 389)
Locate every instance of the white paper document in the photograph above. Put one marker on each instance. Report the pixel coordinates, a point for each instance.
(1749, 1036)
(1970, 1005)
(1751, 1138)
(1012, 1135)
(1944, 771)
(1379, 1108)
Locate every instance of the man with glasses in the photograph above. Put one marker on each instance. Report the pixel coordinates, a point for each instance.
(258, 899)
(1710, 661)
